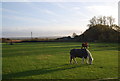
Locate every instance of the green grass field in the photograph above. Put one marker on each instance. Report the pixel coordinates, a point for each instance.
(50, 60)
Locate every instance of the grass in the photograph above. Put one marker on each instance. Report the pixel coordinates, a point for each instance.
(50, 60)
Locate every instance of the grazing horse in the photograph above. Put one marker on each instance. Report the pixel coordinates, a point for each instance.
(81, 53)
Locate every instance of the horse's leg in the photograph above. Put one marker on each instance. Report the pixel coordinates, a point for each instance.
(81, 47)
(87, 62)
(74, 60)
(71, 59)
(83, 60)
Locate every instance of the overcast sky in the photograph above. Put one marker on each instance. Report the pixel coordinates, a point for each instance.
(52, 18)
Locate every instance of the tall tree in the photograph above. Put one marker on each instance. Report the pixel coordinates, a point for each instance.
(100, 20)
(104, 20)
(92, 21)
(111, 20)
(74, 34)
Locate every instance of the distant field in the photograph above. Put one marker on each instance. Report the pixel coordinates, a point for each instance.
(50, 60)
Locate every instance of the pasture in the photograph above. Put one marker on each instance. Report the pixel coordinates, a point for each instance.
(50, 60)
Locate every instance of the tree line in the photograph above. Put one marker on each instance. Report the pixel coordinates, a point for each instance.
(105, 21)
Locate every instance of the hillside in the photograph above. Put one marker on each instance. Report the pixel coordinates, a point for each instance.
(99, 33)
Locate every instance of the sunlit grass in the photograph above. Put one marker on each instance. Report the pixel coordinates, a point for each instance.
(50, 60)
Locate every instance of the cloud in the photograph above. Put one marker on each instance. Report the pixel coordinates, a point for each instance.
(16, 17)
(76, 8)
(10, 11)
(75, 11)
(60, 0)
(119, 13)
(104, 10)
(46, 11)
(60, 5)
(22, 18)
(41, 9)
(35, 8)
(15, 13)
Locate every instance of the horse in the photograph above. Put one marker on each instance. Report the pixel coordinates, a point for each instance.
(81, 53)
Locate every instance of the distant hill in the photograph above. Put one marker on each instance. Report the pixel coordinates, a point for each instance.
(99, 33)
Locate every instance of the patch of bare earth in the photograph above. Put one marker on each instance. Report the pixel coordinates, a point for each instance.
(44, 57)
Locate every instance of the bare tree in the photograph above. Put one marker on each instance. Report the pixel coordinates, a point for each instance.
(93, 21)
(74, 34)
(102, 20)
(111, 20)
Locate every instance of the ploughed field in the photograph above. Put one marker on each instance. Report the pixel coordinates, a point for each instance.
(50, 60)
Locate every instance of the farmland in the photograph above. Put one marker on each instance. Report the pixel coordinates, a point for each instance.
(50, 60)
